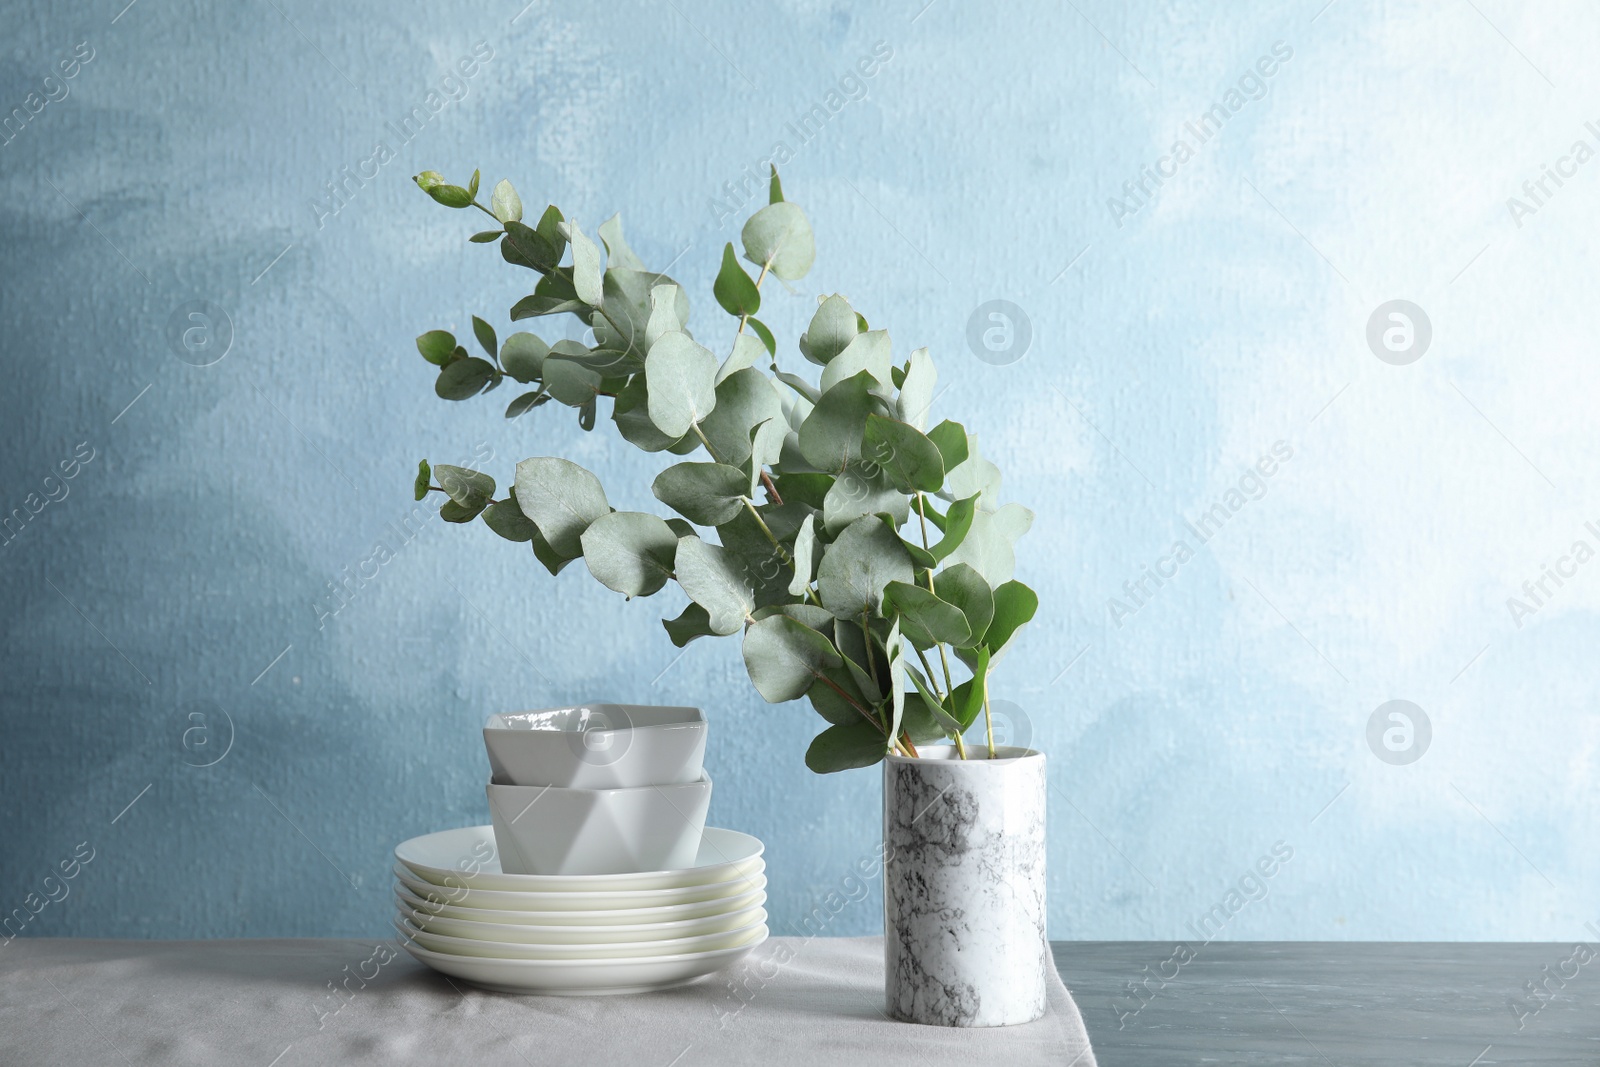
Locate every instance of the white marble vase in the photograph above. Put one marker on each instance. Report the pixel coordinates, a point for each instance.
(963, 887)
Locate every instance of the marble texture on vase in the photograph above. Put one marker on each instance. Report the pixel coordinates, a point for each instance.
(963, 894)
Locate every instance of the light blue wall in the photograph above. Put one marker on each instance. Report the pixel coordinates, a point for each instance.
(183, 571)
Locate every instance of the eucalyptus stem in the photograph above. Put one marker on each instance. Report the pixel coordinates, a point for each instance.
(698, 432)
(756, 515)
(944, 657)
(988, 720)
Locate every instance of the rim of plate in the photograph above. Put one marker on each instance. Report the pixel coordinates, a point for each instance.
(719, 848)
(409, 930)
(757, 898)
(513, 899)
(612, 963)
(644, 930)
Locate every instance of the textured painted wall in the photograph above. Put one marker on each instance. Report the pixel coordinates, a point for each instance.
(1180, 331)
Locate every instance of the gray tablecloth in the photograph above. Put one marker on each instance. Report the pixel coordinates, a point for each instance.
(271, 1003)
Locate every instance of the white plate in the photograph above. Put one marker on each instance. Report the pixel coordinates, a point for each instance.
(638, 898)
(468, 857)
(524, 934)
(581, 978)
(581, 921)
(505, 950)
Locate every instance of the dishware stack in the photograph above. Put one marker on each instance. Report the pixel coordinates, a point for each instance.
(598, 874)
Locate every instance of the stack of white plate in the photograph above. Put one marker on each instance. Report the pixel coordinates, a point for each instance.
(577, 934)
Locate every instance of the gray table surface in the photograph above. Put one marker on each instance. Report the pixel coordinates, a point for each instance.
(1343, 1004)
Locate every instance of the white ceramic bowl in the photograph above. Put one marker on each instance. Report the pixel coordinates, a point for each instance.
(500, 900)
(468, 857)
(506, 950)
(522, 934)
(588, 920)
(597, 746)
(582, 978)
(546, 830)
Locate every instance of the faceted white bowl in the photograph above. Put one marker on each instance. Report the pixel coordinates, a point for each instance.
(597, 746)
(546, 830)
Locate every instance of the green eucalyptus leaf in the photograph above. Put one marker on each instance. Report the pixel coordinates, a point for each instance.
(806, 390)
(951, 441)
(774, 188)
(989, 547)
(974, 476)
(424, 480)
(867, 352)
(433, 183)
(744, 400)
(832, 330)
(843, 748)
(464, 379)
(967, 700)
(957, 522)
(618, 254)
(553, 295)
(924, 722)
(819, 619)
(504, 203)
(785, 657)
(831, 435)
(765, 334)
(706, 493)
(911, 461)
(927, 620)
(472, 186)
(939, 717)
(562, 499)
(569, 381)
(834, 706)
(630, 551)
(862, 489)
(681, 379)
(855, 569)
(807, 488)
(714, 580)
(485, 335)
(766, 447)
(778, 238)
(1014, 607)
(734, 290)
(805, 546)
(549, 228)
(522, 355)
(548, 557)
(893, 646)
(437, 346)
(632, 416)
(469, 488)
(450, 511)
(588, 280)
(624, 318)
(505, 518)
(666, 304)
(747, 351)
(916, 389)
(527, 247)
(692, 623)
(966, 589)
